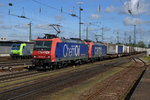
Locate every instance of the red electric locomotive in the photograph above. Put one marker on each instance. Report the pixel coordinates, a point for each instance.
(52, 52)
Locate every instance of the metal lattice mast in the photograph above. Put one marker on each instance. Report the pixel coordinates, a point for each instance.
(134, 34)
(30, 34)
(87, 33)
(117, 37)
(80, 9)
(102, 34)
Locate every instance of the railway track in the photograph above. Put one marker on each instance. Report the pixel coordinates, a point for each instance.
(9, 65)
(54, 84)
(15, 64)
(13, 61)
(93, 95)
(12, 76)
(5, 58)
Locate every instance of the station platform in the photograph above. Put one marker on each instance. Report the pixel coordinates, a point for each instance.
(142, 91)
(4, 55)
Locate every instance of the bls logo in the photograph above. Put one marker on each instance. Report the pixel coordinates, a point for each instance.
(74, 50)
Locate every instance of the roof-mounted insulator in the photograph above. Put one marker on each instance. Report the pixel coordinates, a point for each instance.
(76, 39)
(10, 4)
(49, 36)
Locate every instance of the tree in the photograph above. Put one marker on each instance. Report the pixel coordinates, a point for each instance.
(148, 45)
(141, 44)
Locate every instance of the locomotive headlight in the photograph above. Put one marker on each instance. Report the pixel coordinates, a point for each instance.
(35, 56)
(48, 56)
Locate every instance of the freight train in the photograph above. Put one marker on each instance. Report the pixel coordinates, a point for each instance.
(22, 50)
(54, 52)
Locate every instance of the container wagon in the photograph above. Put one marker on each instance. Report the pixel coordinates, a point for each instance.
(111, 49)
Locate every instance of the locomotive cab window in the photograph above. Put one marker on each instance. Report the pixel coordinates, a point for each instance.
(43, 45)
(15, 47)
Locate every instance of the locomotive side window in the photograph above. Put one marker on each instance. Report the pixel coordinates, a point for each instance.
(43, 45)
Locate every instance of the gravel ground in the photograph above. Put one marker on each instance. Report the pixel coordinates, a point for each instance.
(115, 87)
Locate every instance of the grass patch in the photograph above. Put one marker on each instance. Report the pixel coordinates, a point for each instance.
(146, 58)
(73, 93)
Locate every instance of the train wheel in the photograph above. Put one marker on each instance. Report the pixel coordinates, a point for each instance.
(50, 67)
(12, 57)
(10, 69)
(54, 67)
(59, 66)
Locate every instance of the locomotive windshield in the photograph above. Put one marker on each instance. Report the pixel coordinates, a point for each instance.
(43, 45)
(15, 46)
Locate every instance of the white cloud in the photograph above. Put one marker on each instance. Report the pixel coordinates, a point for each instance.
(24, 26)
(133, 21)
(92, 29)
(16, 35)
(136, 6)
(43, 26)
(59, 18)
(95, 16)
(142, 31)
(116, 29)
(106, 29)
(110, 9)
(5, 27)
(1, 16)
(2, 5)
(1, 22)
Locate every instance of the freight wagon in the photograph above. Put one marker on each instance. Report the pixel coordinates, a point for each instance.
(111, 49)
(125, 49)
(119, 49)
(131, 50)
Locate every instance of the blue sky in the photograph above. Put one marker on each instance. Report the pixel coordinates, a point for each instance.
(113, 16)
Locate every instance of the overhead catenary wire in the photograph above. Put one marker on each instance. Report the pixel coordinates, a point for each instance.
(12, 3)
(129, 10)
(62, 11)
